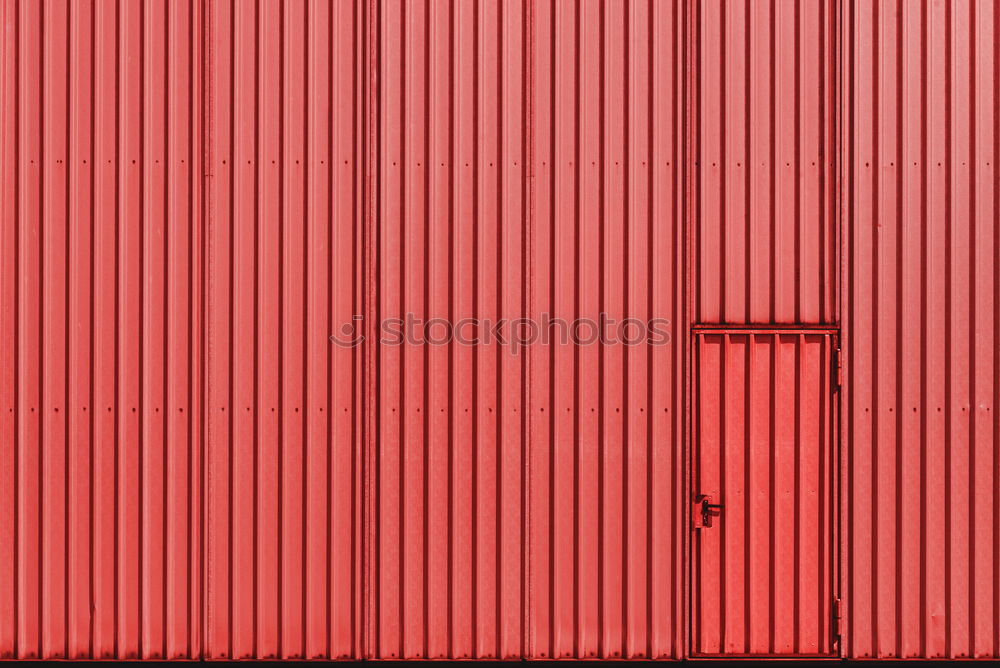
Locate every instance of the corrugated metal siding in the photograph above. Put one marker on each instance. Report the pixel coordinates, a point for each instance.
(283, 403)
(100, 316)
(527, 503)
(765, 112)
(922, 436)
(608, 469)
(189, 468)
(764, 448)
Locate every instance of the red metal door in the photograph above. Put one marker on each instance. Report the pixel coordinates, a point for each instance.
(763, 493)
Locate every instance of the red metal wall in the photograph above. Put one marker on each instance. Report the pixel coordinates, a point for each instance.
(527, 504)
(101, 283)
(608, 473)
(284, 83)
(922, 330)
(195, 195)
(764, 119)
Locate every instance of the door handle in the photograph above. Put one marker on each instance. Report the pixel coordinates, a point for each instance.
(708, 511)
(705, 510)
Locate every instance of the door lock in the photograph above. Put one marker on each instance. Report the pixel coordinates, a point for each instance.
(705, 510)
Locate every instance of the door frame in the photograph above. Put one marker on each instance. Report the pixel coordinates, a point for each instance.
(836, 483)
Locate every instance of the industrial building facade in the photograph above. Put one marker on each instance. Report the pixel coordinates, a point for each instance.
(213, 211)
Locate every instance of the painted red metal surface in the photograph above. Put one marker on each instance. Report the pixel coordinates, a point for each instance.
(527, 504)
(282, 525)
(764, 476)
(195, 195)
(921, 413)
(764, 119)
(101, 283)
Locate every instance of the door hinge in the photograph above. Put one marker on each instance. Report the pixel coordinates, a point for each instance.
(837, 371)
(835, 626)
